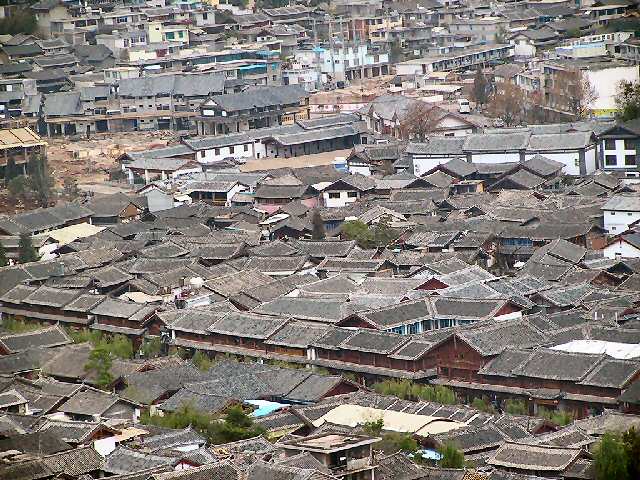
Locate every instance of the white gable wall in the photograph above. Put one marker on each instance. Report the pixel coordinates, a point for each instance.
(622, 249)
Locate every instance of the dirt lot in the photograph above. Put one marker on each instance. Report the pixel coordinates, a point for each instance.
(89, 161)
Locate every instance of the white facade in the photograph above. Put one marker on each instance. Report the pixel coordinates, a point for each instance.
(422, 164)
(621, 249)
(570, 160)
(605, 82)
(307, 77)
(618, 154)
(335, 62)
(339, 198)
(502, 157)
(237, 151)
(616, 221)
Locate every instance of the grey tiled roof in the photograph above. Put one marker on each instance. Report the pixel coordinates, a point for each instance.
(260, 97)
(125, 460)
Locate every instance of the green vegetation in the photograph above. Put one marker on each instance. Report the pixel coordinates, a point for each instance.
(556, 416)
(202, 361)
(20, 21)
(100, 362)
(369, 237)
(628, 100)
(414, 391)
(393, 442)
(451, 456)
(235, 425)
(617, 457)
(18, 187)
(373, 427)
(119, 346)
(631, 439)
(318, 232)
(11, 325)
(483, 405)
(151, 347)
(40, 180)
(516, 407)
(610, 459)
(26, 252)
(4, 261)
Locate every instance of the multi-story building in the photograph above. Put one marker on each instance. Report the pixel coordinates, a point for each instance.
(344, 62)
(603, 75)
(256, 108)
(467, 59)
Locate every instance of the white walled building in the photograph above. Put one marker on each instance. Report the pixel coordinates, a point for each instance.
(620, 212)
(624, 246)
(619, 147)
(343, 62)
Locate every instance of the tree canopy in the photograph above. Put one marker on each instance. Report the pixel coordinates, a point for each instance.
(611, 459)
(628, 100)
(451, 456)
(26, 252)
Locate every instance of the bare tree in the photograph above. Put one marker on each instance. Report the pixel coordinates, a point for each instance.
(534, 112)
(509, 105)
(572, 92)
(420, 122)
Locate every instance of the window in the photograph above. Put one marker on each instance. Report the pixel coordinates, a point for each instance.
(216, 151)
(629, 144)
(613, 213)
(629, 159)
(232, 150)
(610, 144)
(610, 160)
(352, 194)
(334, 195)
(246, 148)
(613, 228)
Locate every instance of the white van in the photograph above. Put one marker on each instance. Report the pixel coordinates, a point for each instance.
(464, 106)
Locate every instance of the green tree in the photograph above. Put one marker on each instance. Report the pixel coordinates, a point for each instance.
(407, 390)
(358, 231)
(12, 325)
(40, 180)
(19, 187)
(559, 417)
(20, 21)
(4, 261)
(610, 459)
(26, 252)
(373, 427)
(628, 100)
(151, 347)
(480, 88)
(235, 425)
(10, 170)
(483, 405)
(202, 361)
(119, 346)
(393, 442)
(516, 407)
(100, 363)
(318, 232)
(631, 440)
(70, 187)
(451, 456)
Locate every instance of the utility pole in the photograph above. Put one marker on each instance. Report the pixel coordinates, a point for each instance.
(316, 51)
